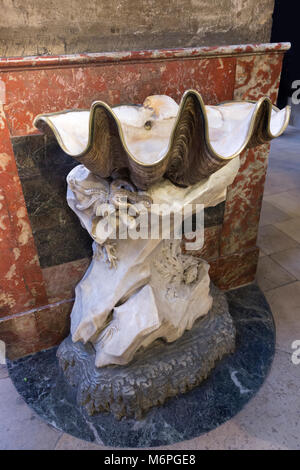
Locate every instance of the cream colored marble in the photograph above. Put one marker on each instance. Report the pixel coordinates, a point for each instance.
(154, 291)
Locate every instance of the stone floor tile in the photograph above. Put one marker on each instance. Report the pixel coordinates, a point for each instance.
(3, 371)
(271, 214)
(228, 436)
(67, 442)
(271, 240)
(273, 415)
(261, 253)
(286, 202)
(285, 304)
(270, 275)
(20, 427)
(289, 260)
(278, 181)
(291, 228)
(295, 192)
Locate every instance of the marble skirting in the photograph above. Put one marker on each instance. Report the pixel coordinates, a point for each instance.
(233, 382)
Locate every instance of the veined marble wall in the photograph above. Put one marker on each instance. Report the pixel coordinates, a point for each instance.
(44, 252)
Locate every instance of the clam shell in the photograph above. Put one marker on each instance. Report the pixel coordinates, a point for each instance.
(155, 141)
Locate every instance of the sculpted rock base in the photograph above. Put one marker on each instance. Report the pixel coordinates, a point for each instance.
(156, 373)
(140, 288)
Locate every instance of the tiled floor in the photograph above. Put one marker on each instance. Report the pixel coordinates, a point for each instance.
(272, 419)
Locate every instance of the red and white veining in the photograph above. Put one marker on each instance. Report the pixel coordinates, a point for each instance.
(21, 283)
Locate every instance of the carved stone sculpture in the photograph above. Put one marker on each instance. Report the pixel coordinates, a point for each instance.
(147, 289)
(140, 290)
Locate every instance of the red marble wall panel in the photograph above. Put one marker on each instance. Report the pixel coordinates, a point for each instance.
(35, 330)
(229, 272)
(256, 76)
(31, 92)
(211, 245)
(21, 281)
(53, 324)
(61, 280)
(19, 334)
(243, 202)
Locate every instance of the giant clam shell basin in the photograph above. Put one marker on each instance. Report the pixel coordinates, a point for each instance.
(184, 143)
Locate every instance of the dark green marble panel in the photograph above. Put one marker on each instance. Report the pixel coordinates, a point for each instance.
(214, 215)
(43, 168)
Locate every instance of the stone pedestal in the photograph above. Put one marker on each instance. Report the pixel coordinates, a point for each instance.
(147, 288)
(161, 371)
